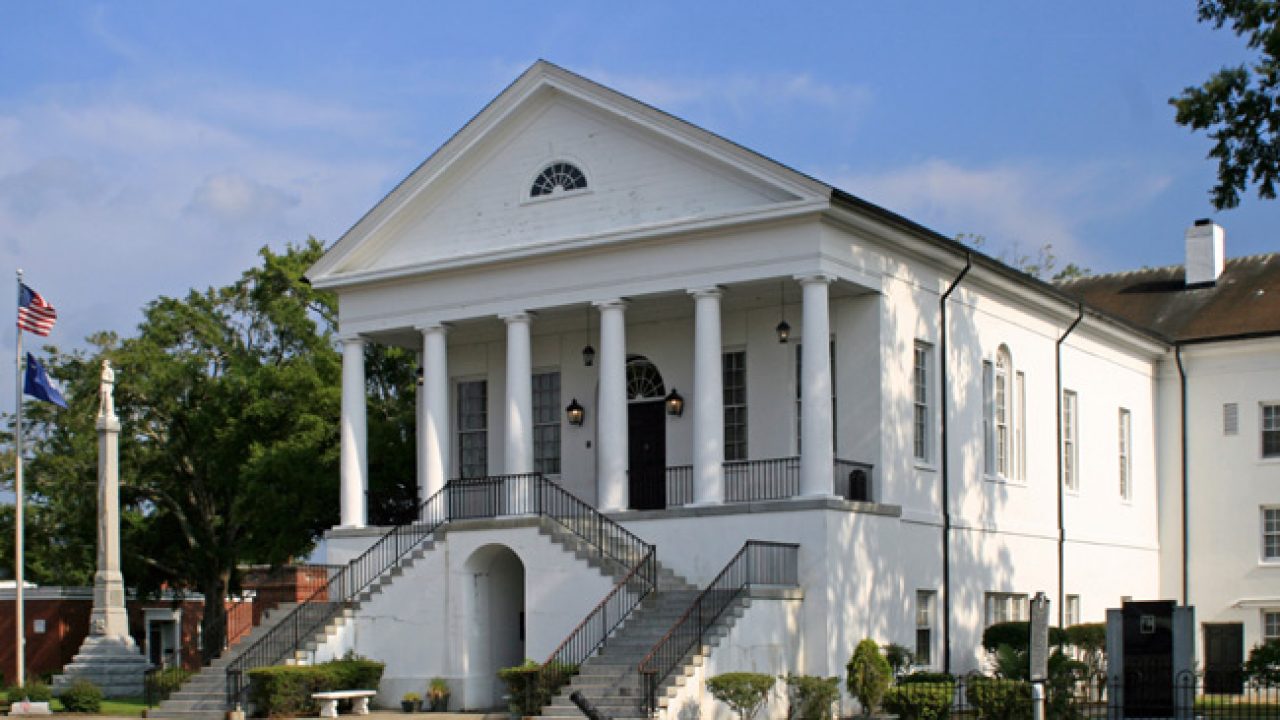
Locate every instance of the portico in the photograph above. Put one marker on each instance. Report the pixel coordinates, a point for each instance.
(682, 336)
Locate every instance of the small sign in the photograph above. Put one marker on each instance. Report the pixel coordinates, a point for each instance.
(38, 626)
(1147, 625)
(1039, 638)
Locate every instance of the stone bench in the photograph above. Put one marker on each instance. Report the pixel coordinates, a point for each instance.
(329, 701)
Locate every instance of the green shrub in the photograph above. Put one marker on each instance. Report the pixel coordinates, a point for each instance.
(1263, 665)
(999, 699)
(531, 686)
(82, 696)
(811, 698)
(162, 683)
(34, 690)
(745, 692)
(868, 675)
(285, 690)
(918, 700)
(1017, 635)
(899, 658)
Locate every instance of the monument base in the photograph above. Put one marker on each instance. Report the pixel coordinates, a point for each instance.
(113, 663)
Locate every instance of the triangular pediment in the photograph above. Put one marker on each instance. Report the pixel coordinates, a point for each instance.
(644, 171)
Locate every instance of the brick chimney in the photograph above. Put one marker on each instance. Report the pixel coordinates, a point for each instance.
(1205, 253)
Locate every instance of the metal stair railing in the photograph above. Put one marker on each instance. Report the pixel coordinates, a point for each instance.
(759, 562)
(460, 499)
(328, 600)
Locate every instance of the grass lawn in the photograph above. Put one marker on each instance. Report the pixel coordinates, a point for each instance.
(123, 707)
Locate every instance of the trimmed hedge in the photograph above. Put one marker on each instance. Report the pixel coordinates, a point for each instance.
(810, 697)
(1016, 635)
(285, 690)
(744, 692)
(35, 691)
(531, 686)
(917, 700)
(997, 699)
(82, 696)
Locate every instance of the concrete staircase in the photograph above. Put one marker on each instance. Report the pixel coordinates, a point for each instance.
(204, 695)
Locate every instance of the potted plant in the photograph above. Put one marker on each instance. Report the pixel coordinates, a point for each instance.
(411, 702)
(438, 695)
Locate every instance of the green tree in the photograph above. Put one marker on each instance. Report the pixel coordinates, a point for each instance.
(745, 692)
(229, 401)
(1237, 106)
(868, 675)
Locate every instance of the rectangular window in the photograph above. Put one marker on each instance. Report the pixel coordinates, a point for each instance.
(1270, 626)
(473, 433)
(1072, 610)
(988, 423)
(734, 381)
(1006, 607)
(1271, 431)
(921, 422)
(546, 423)
(1126, 466)
(1002, 404)
(1271, 534)
(1070, 449)
(800, 391)
(1021, 424)
(925, 600)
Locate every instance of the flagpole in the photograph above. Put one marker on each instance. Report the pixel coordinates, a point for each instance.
(18, 502)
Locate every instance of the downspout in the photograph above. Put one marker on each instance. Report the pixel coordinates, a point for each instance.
(1182, 382)
(1062, 526)
(946, 489)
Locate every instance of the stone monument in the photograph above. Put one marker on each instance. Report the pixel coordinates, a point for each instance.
(109, 658)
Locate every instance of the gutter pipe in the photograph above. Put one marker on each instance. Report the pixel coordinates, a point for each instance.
(946, 480)
(1186, 559)
(1062, 527)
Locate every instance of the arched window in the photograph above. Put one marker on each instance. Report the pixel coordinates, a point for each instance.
(558, 177)
(644, 382)
(1003, 407)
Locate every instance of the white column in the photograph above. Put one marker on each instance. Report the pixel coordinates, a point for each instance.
(435, 420)
(108, 616)
(354, 434)
(518, 457)
(420, 427)
(708, 399)
(611, 422)
(817, 455)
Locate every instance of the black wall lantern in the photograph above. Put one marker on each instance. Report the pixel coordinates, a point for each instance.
(575, 413)
(783, 329)
(588, 355)
(675, 403)
(421, 375)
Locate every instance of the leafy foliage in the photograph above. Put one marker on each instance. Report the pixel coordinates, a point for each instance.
(899, 657)
(1237, 106)
(1043, 264)
(532, 685)
(920, 700)
(82, 696)
(34, 690)
(229, 401)
(1090, 640)
(999, 699)
(810, 697)
(745, 692)
(868, 675)
(285, 690)
(1263, 666)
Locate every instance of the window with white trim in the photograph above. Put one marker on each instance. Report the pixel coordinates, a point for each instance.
(1020, 424)
(1006, 607)
(922, 422)
(988, 422)
(1271, 534)
(734, 380)
(1070, 444)
(546, 422)
(1003, 405)
(1270, 415)
(1072, 610)
(473, 429)
(1270, 626)
(1125, 455)
(925, 603)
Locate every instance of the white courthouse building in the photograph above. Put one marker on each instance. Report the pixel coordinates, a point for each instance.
(707, 347)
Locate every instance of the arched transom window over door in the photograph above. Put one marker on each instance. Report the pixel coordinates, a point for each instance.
(644, 382)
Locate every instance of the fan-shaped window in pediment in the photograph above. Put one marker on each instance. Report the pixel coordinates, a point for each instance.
(644, 382)
(556, 178)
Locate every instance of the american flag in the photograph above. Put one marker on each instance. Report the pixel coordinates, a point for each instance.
(35, 314)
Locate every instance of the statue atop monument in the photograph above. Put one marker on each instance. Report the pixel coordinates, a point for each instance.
(106, 397)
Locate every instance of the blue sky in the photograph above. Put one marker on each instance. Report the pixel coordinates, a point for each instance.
(150, 147)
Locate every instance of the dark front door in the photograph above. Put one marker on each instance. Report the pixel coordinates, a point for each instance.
(1223, 658)
(647, 454)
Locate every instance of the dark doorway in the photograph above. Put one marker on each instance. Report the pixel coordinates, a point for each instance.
(647, 454)
(1223, 658)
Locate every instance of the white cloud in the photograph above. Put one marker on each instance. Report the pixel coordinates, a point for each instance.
(1017, 206)
(234, 198)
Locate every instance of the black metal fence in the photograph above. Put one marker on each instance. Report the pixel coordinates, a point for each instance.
(976, 697)
(757, 563)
